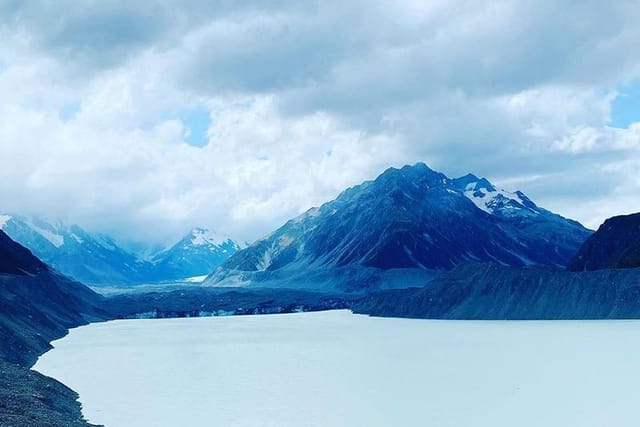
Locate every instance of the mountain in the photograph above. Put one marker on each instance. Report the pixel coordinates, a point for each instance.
(16, 259)
(616, 244)
(400, 230)
(91, 259)
(196, 254)
(97, 259)
(37, 305)
(495, 292)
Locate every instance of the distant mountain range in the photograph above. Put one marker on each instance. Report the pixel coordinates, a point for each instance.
(97, 259)
(400, 230)
(91, 259)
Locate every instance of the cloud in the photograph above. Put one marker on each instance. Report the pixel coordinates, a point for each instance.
(604, 139)
(258, 167)
(305, 99)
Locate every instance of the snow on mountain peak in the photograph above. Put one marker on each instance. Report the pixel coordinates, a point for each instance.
(203, 236)
(491, 199)
(48, 231)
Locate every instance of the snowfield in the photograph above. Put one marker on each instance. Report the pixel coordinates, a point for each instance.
(338, 369)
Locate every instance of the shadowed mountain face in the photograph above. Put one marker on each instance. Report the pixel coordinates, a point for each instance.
(490, 291)
(16, 259)
(412, 218)
(37, 305)
(616, 244)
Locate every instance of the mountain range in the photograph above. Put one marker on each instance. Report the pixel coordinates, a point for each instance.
(402, 229)
(96, 259)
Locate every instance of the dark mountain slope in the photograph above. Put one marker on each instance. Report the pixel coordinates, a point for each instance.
(15, 259)
(490, 291)
(37, 305)
(616, 244)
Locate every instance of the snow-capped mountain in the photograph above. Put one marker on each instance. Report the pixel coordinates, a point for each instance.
(390, 231)
(196, 254)
(97, 259)
(91, 259)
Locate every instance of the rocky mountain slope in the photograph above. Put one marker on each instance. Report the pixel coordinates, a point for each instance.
(616, 244)
(491, 291)
(402, 229)
(37, 305)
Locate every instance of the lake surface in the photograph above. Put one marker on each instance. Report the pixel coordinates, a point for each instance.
(339, 369)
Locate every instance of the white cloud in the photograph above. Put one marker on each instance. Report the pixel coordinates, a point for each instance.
(305, 100)
(601, 139)
(258, 169)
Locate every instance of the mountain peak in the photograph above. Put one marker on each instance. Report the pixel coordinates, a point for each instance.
(412, 173)
(466, 179)
(203, 236)
(197, 254)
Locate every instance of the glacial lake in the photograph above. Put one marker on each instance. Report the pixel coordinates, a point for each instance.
(339, 369)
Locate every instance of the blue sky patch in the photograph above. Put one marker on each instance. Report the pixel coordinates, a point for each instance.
(197, 121)
(626, 107)
(68, 111)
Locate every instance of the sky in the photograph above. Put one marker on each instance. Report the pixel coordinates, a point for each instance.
(144, 119)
